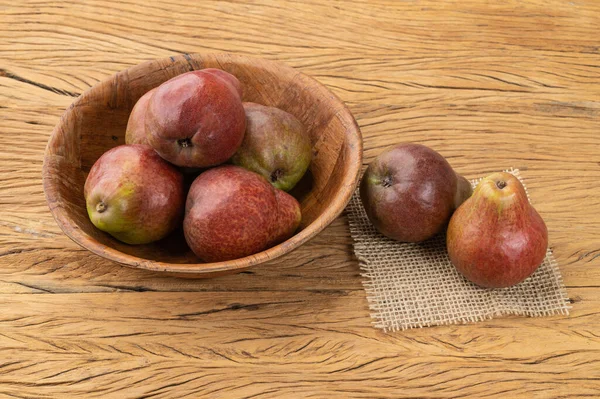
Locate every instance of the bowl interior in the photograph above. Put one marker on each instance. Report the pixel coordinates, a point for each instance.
(96, 122)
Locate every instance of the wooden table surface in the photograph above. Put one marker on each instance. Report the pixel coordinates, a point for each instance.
(490, 85)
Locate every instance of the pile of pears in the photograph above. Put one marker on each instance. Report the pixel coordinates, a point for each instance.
(494, 237)
(243, 159)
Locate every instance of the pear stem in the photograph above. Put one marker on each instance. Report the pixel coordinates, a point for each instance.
(387, 181)
(501, 184)
(101, 207)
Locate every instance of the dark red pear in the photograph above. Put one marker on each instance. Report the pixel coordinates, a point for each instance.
(410, 191)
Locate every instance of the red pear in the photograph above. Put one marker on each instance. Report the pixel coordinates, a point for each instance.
(136, 128)
(288, 219)
(134, 195)
(230, 213)
(196, 119)
(496, 238)
(410, 191)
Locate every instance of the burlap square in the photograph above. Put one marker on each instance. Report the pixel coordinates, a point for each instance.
(415, 285)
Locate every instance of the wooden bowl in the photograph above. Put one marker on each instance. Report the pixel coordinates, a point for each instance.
(96, 122)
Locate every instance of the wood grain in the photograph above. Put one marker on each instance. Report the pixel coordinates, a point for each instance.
(294, 344)
(488, 84)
